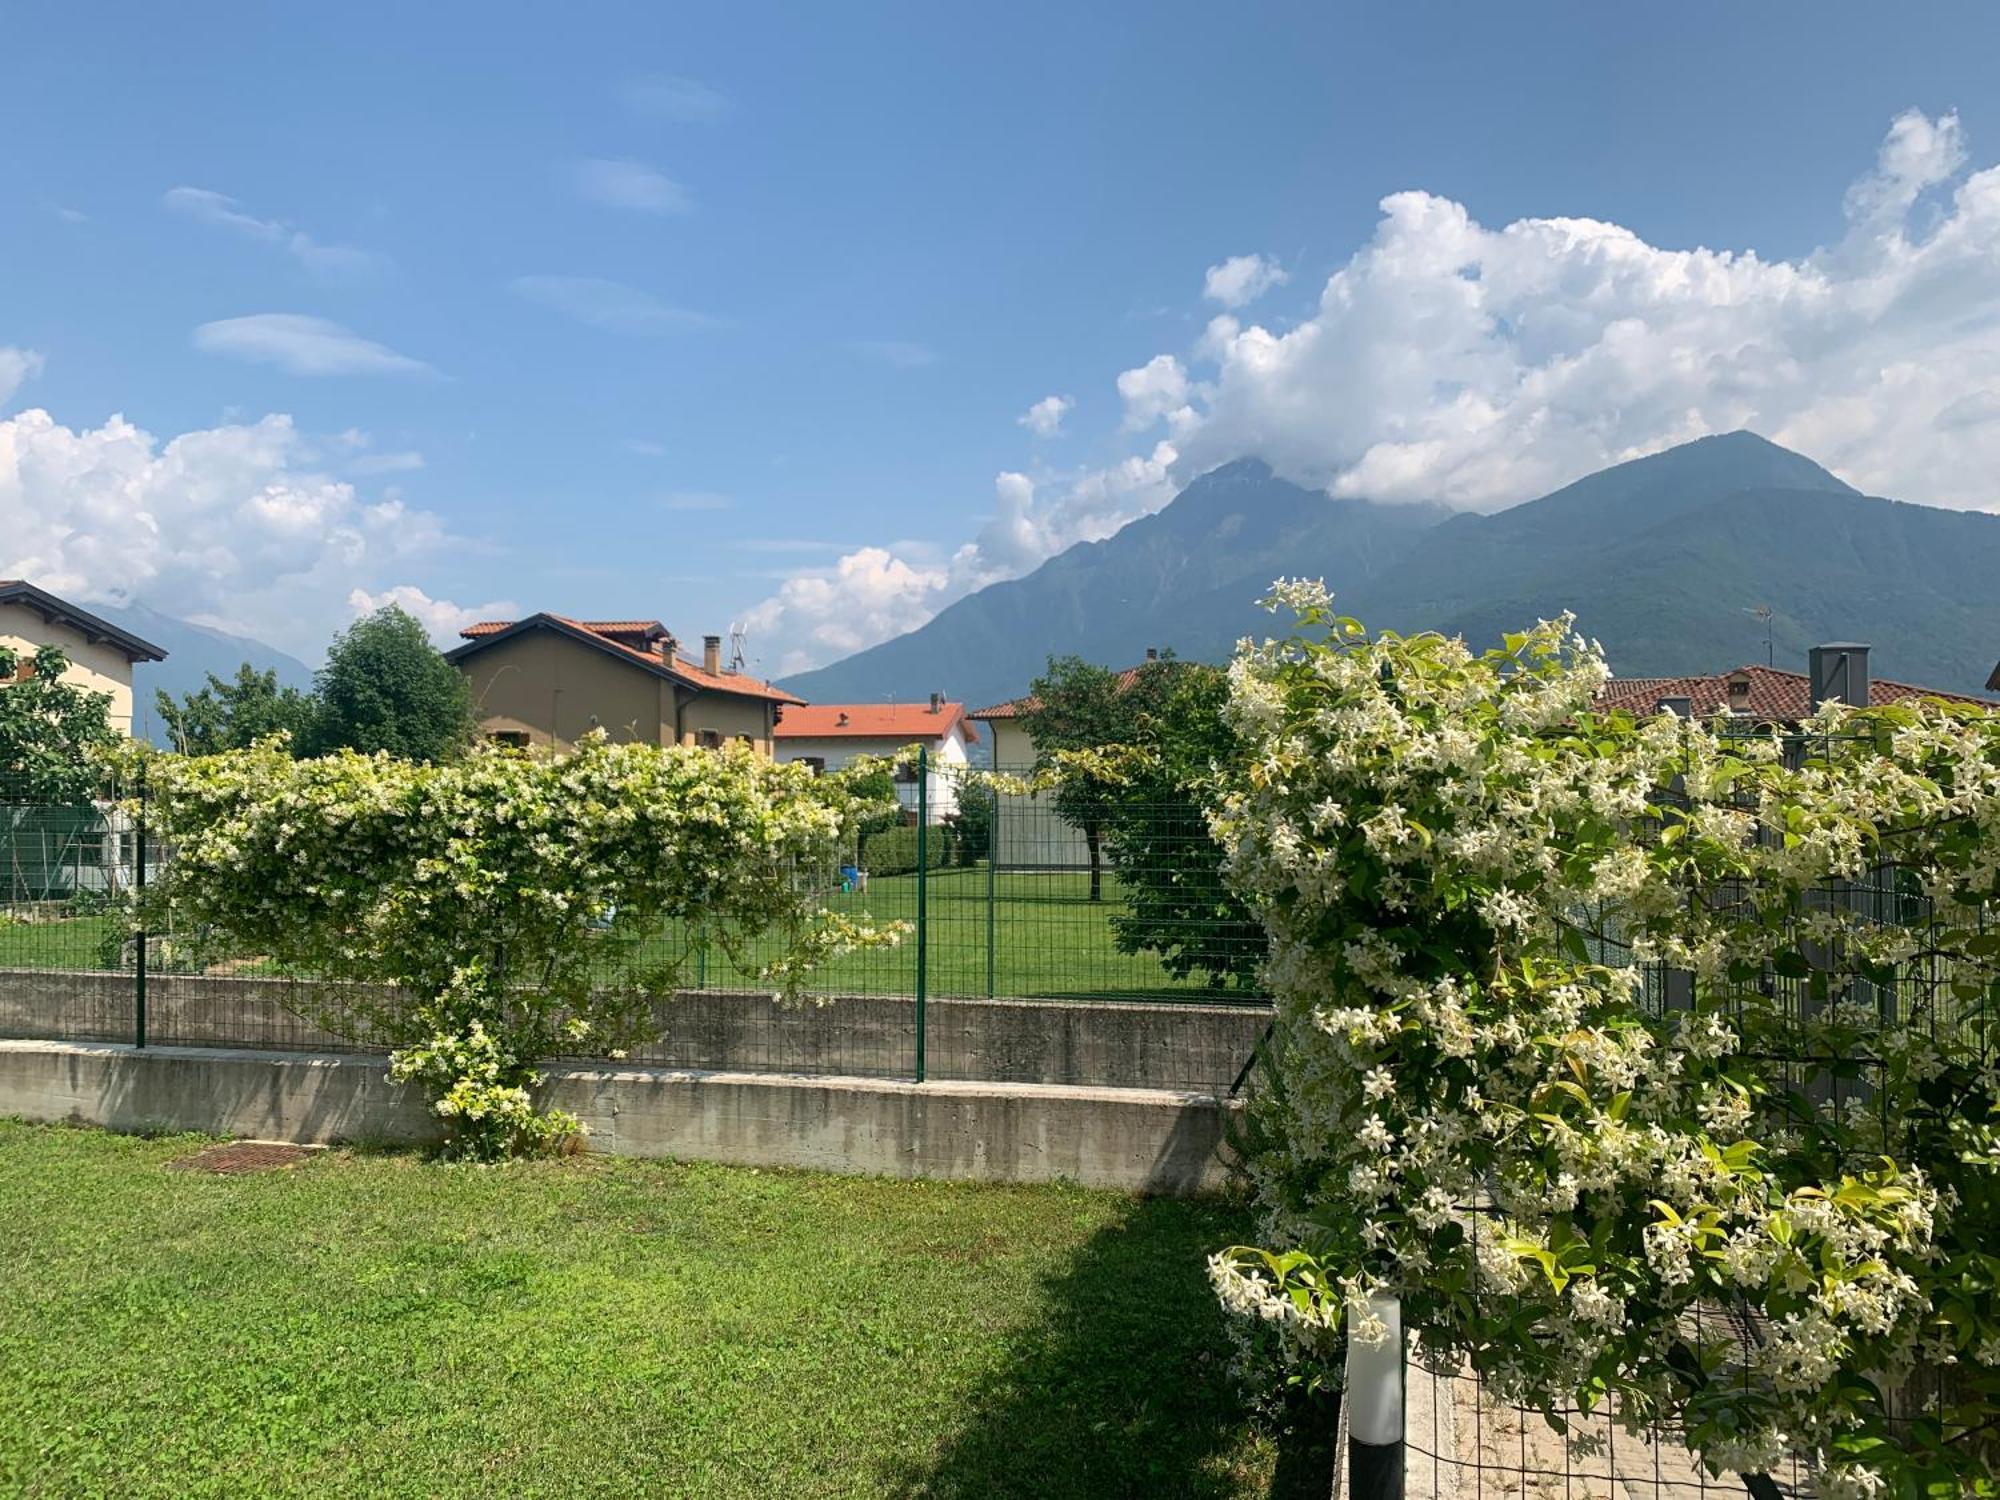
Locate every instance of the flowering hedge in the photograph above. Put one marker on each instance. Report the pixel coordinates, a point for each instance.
(521, 907)
(1557, 1168)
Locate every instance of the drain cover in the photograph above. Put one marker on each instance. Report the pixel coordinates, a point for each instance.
(243, 1156)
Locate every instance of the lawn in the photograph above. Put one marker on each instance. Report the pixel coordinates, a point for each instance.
(1048, 939)
(378, 1324)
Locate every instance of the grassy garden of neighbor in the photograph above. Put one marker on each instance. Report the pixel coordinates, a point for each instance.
(1047, 939)
(379, 1324)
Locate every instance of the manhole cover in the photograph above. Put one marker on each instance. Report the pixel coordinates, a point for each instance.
(243, 1156)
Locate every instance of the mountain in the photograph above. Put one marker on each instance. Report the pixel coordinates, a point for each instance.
(1186, 577)
(193, 651)
(1662, 559)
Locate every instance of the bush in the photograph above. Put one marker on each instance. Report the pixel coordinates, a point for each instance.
(972, 824)
(893, 851)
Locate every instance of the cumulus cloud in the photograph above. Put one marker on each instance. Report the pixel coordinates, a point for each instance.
(630, 184)
(235, 526)
(17, 368)
(441, 618)
(1045, 417)
(1242, 279)
(224, 212)
(608, 304)
(303, 345)
(1486, 365)
(687, 101)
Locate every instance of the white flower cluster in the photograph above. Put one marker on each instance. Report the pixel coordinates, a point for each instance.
(1608, 1020)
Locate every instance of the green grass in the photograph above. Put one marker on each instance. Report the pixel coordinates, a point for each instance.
(377, 1324)
(67, 943)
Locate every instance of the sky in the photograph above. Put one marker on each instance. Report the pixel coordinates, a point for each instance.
(811, 319)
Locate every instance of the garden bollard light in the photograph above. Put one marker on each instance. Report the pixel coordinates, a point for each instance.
(1375, 1405)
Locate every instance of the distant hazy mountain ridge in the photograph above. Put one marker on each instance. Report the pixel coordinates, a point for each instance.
(1662, 559)
(193, 651)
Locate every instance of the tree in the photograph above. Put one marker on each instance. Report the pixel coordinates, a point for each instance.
(48, 728)
(1076, 706)
(481, 915)
(232, 715)
(385, 687)
(1178, 905)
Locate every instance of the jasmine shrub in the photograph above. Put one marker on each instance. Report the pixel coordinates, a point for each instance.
(481, 916)
(1556, 1172)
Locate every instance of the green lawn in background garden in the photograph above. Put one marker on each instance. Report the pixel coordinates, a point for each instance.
(381, 1325)
(1048, 940)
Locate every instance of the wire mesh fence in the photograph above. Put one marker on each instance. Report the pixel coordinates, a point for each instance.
(1022, 961)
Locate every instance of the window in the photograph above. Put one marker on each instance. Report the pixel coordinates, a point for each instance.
(817, 762)
(512, 739)
(906, 773)
(708, 739)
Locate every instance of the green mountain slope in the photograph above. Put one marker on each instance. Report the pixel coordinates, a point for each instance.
(1662, 559)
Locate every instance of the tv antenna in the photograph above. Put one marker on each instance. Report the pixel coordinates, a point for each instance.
(1764, 613)
(738, 640)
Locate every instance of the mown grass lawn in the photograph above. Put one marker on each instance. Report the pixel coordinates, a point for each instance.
(383, 1325)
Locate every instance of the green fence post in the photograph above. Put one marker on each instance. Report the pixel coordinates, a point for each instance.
(923, 883)
(139, 928)
(992, 878)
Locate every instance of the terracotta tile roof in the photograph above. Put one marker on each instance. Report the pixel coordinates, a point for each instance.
(902, 722)
(1015, 706)
(604, 635)
(1774, 694)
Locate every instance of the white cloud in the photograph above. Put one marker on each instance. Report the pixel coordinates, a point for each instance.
(303, 345)
(1486, 366)
(1158, 388)
(404, 462)
(232, 526)
(441, 618)
(687, 101)
(1242, 279)
(1045, 417)
(630, 184)
(17, 368)
(645, 447)
(608, 304)
(902, 354)
(224, 212)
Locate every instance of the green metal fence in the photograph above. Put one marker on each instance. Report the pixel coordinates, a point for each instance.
(1019, 965)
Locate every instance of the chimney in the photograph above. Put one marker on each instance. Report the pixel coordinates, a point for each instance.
(711, 653)
(1838, 670)
(1738, 685)
(1679, 707)
(1152, 653)
(842, 722)
(937, 703)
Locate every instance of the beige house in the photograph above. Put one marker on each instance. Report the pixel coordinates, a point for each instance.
(101, 656)
(549, 680)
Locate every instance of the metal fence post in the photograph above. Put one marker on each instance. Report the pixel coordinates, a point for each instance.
(992, 878)
(139, 926)
(923, 884)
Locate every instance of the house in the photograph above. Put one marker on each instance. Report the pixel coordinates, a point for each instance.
(828, 736)
(1027, 833)
(1770, 695)
(1993, 682)
(101, 655)
(548, 680)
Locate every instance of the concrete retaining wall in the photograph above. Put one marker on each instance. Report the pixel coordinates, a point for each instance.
(1144, 1140)
(1110, 1043)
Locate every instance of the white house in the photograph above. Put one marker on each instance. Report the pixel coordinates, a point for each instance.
(830, 735)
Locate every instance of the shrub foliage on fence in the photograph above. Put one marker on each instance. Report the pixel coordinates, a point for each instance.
(485, 914)
(1589, 1024)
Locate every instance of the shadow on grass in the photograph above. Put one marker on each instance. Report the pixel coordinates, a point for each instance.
(1122, 1387)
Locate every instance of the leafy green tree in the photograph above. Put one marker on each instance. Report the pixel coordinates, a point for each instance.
(1179, 907)
(1076, 706)
(386, 687)
(232, 715)
(48, 728)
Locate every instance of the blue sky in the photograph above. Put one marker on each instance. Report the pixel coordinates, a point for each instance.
(628, 311)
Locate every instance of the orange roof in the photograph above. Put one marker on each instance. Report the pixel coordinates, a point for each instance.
(902, 722)
(1774, 694)
(603, 635)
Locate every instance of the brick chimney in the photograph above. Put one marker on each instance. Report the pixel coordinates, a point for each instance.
(937, 703)
(1738, 684)
(1152, 653)
(711, 653)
